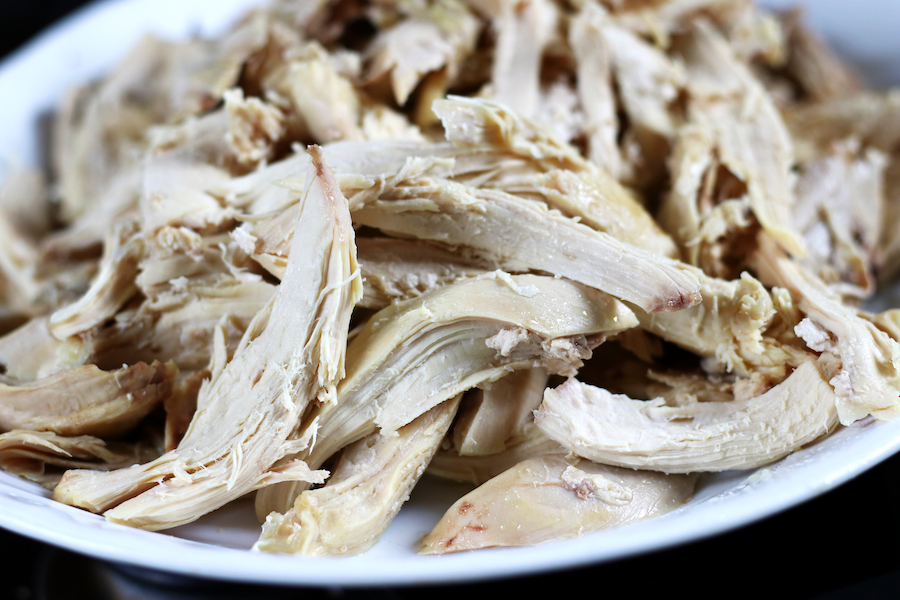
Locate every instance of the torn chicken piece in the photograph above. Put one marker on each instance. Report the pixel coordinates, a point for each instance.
(752, 141)
(553, 498)
(247, 413)
(493, 412)
(739, 327)
(593, 58)
(254, 126)
(369, 485)
(25, 199)
(523, 30)
(434, 37)
(32, 352)
(820, 73)
(19, 258)
(41, 456)
(521, 235)
(525, 442)
(110, 289)
(86, 401)
(839, 210)
(416, 354)
(596, 200)
(699, 437)
(868, 382)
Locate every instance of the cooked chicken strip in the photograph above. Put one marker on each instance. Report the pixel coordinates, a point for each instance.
(521, 235)
(111, 288)
(32, 352)
(526, 442)
(370, 484)
(438, 36)
(250, 409)
(29, 453)
(752, 141)
(416, 354)
(490, 416)
(523, 30)
(706, 436)
(553, 498)
(253, 127)
(868, 382)
(86, 401)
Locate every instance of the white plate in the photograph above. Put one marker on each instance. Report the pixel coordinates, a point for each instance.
(85, 45)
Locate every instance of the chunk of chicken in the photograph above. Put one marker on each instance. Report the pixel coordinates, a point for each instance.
(490, 416)
(250, 409)
(372, 480)
(705, 436)
(552, 498)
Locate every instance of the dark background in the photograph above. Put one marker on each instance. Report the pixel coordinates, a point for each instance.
(845, 544)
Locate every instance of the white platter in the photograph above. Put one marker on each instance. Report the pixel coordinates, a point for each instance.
(83, 46)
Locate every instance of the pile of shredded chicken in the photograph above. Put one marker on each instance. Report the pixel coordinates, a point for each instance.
(572, 252)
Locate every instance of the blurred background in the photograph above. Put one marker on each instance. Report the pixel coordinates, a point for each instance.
(845, 544)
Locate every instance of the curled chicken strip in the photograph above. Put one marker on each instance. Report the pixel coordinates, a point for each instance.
(369, 485)
(699, 437)
(522, 235)
(248, 413)
(553, 497)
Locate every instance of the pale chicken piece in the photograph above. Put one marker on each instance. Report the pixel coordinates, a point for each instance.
(839, 210)
(680, 388)
(526, 442)
(180, 325)
(552, 498)
(523, 30)
(739, 327)
(559, 108)
(85, 400)
(41, 456)
(253, 127)
(496, 410)
(414, 355)
(886, 257)
(111, 288)
(25, 199)
(380, 122)
(432, 37)
(751, 138)
(700, 437)
(871, 117)
(478, 124)
(596, 200)
(369, 485)
(19, 257)
(325, 100)
(173, 195)
(395, 270)
(821, 74)
(521, 235)
(593, 58)
(32, 352)
(868, 382)
(248, 412)
(649, 81)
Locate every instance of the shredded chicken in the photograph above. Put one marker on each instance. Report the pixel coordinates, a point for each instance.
(680, 200)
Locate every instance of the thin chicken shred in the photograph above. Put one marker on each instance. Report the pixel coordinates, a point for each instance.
(347, 244)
